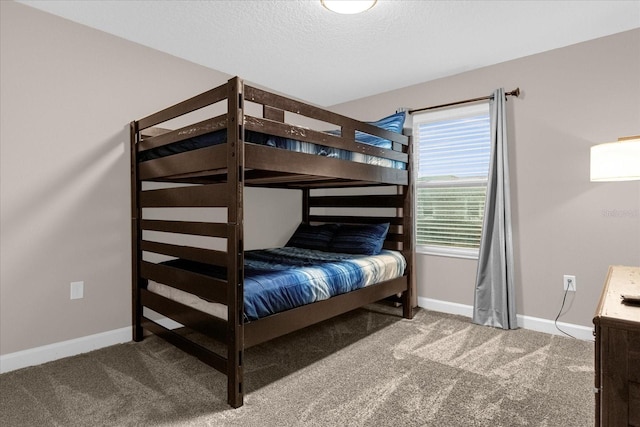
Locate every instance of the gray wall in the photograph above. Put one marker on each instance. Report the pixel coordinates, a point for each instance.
(573, 98)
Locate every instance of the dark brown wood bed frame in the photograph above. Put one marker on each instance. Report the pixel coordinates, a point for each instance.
(221, 172)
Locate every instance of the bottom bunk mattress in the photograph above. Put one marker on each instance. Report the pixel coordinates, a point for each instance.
(283, 278)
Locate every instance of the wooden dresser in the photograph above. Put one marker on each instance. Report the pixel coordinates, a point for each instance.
(617, 351)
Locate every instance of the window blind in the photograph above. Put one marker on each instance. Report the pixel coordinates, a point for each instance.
(453, 153)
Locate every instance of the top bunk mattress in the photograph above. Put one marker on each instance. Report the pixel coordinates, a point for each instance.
(279, 279)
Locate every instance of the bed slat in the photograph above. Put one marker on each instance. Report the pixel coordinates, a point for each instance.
(367, 201)
(208, 158)
(196, 129)
(284, 180)
(186, 227)
(200, 285)
(268, 158)
(192, 318)
(356, 219)
(207, 356)
(199, 101)
(211, 195)
(207, 256)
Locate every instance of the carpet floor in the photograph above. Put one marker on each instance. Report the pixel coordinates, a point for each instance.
(366, 368)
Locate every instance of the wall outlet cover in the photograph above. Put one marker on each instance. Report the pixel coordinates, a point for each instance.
(77, 290)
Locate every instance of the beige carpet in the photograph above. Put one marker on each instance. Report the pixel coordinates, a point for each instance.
(365, 368)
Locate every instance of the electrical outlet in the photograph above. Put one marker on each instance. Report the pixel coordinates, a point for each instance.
(77, 290)
(569, 283)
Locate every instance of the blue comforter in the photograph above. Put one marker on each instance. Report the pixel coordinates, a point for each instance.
(283, 278)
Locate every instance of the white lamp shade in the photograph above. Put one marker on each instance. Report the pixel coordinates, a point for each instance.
(348, 7)
(616, 161)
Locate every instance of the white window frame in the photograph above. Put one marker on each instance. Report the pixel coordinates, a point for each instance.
(434, 116)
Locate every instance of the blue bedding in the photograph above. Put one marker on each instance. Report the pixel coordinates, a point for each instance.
(283, 278)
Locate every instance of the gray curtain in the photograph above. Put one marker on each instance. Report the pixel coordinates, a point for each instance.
(494, 303)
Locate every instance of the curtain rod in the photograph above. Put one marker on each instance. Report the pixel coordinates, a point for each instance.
(515, 92)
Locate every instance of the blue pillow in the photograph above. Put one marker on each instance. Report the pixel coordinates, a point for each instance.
(359, 239)
(317, 237)
(393, 123)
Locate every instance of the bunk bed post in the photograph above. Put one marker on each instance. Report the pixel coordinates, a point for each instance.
(136, 237)
(408, 250)
(235, 245)
(306, 209)
(408, 236)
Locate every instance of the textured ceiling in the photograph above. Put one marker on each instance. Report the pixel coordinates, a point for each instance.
(301, 49)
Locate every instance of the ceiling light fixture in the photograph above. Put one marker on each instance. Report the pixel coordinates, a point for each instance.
(616, 161)
(348, 7)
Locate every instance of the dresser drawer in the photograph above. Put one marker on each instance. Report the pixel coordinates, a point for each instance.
(634, 404)
(634, 355)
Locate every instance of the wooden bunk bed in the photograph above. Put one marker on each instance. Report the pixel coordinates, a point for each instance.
(214, 176)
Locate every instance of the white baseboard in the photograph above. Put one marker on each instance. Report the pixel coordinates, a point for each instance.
(580, 332)
(47, 353)
(446, 306)
(527, 322)
(50, 352)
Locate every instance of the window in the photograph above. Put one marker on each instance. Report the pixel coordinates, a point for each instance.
(453, 149)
